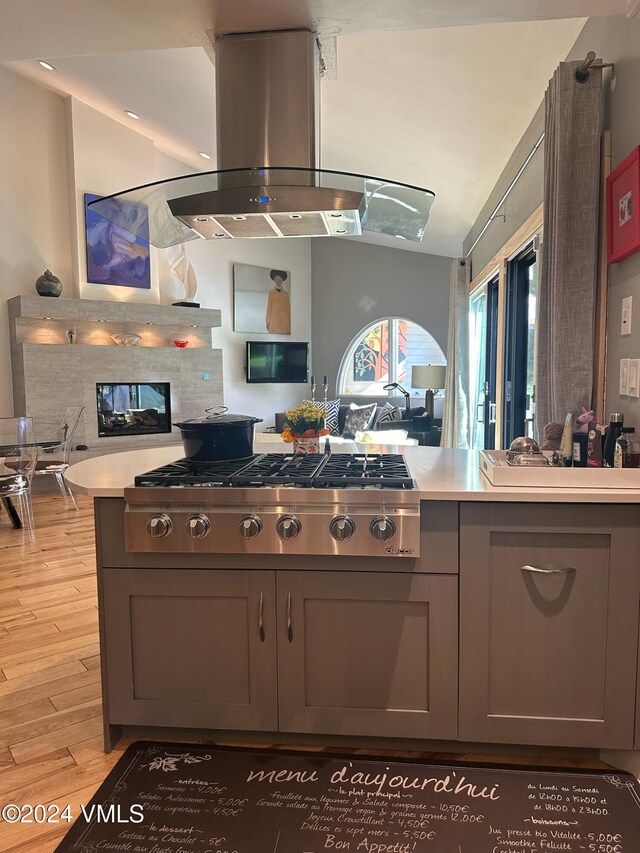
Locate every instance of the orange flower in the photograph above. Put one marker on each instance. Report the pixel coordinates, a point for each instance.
(287, 436)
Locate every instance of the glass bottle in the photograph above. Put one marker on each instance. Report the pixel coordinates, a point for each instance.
(627, 453)
(616, 420)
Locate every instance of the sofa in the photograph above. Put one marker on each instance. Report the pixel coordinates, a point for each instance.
(418, 421)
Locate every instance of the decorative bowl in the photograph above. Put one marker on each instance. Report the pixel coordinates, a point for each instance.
(181, 344)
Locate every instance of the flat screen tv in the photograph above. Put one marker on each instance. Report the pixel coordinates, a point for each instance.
(277, 361)
(133, 408)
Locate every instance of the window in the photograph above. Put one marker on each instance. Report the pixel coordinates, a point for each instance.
(385, 352)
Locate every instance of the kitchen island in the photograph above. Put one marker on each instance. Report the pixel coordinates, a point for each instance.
(515, 622)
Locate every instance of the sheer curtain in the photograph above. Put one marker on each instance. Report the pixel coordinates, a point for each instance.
(566, 310)
(455, 421)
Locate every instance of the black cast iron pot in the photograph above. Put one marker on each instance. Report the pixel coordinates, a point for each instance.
(218, 436)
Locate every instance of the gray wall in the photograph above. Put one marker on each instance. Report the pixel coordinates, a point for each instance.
(615, 39)
(355, 283)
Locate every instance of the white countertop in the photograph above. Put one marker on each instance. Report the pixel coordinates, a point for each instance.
(440, 474)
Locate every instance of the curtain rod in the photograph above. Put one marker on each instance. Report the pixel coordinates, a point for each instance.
(582, 75)
(506, 194)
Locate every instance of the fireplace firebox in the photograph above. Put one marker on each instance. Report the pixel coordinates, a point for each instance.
(133, 408)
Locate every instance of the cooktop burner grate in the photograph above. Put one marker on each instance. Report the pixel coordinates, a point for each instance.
(184, 472)
(277, 469)
(382, 470)
(341, 470)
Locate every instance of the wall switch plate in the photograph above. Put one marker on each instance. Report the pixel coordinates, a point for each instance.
(633, 383)
(205, 375)
(625, 327)
(624, 377)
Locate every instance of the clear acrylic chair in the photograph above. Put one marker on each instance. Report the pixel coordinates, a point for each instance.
(54, 457)
(18, 459)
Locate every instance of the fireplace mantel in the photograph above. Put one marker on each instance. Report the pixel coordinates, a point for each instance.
(50, 373)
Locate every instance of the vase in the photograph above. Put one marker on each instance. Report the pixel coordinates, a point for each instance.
(48, 284)
(306, 445)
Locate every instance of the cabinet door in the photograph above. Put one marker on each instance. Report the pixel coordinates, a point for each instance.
(191, 648)
(549, 624)
(368, 654)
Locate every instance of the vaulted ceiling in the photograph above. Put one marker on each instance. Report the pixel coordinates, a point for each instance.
(429, 92)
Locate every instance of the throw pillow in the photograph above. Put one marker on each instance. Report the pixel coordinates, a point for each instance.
(359, 419)
(388, 413)
(331, 407)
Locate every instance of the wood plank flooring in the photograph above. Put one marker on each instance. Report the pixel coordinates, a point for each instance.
(50, 715)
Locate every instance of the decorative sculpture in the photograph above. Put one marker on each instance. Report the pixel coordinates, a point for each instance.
(181, 269)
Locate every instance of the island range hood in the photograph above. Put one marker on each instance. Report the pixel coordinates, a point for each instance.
(268, 183)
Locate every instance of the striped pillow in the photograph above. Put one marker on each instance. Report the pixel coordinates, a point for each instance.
(331, 407)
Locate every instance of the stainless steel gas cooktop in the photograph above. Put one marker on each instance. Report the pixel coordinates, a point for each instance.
(276, 503)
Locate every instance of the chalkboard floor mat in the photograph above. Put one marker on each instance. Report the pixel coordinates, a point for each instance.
(183, 798)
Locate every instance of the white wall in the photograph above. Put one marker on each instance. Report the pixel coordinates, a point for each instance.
(213, 264)
(34, 205)
(105, 157)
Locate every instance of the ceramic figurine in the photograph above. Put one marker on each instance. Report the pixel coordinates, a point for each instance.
(48, 284)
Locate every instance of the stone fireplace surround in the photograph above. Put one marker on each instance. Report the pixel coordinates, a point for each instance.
(49, 373)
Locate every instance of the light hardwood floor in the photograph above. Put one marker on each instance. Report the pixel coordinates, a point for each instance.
(50, 721)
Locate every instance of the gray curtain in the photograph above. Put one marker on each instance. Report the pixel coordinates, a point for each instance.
(455, 421)
(566, 299)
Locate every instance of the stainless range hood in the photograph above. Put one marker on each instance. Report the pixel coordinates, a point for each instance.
(268, 183)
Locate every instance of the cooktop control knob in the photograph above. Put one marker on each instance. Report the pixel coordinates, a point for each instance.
(288, 526)
(382, 528)
(342, 528)
(159, 525)
(250, 526)
(198, 526)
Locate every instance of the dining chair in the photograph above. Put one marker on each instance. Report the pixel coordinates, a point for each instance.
(54, 457)
(18, 459)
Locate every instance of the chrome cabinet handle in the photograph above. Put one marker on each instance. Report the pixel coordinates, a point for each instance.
(289, 622)
(261, 618)
(561, 571)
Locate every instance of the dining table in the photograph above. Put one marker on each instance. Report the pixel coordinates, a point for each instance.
(14, 450)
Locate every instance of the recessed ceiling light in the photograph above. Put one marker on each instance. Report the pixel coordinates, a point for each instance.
(205, 155)
(47, 318)
(47, 65)
(132, 115)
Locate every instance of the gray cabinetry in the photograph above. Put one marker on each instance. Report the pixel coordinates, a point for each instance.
(190, 648)
(549, 624)
(368, 654)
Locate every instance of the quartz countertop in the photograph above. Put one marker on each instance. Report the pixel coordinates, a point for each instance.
(441, 474)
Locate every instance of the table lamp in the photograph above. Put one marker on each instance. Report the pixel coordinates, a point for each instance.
(431, 377)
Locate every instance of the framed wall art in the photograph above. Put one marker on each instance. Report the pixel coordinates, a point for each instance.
(114, 255)
(623, 209)
(261, 300)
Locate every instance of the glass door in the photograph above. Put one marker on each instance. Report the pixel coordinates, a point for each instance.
(519, 396)
(483, 327)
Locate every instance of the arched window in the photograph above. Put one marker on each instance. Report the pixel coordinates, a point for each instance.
(385, 352)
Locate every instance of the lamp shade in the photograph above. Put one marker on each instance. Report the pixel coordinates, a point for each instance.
(428, 376)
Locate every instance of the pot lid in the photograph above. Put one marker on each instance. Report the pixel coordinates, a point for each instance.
(219, 416)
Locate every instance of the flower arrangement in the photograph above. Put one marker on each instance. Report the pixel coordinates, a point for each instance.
(304, 421)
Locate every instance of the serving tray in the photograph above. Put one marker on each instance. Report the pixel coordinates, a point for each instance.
(493, 464)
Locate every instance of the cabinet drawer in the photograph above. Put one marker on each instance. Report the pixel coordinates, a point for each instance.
(549, 616)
